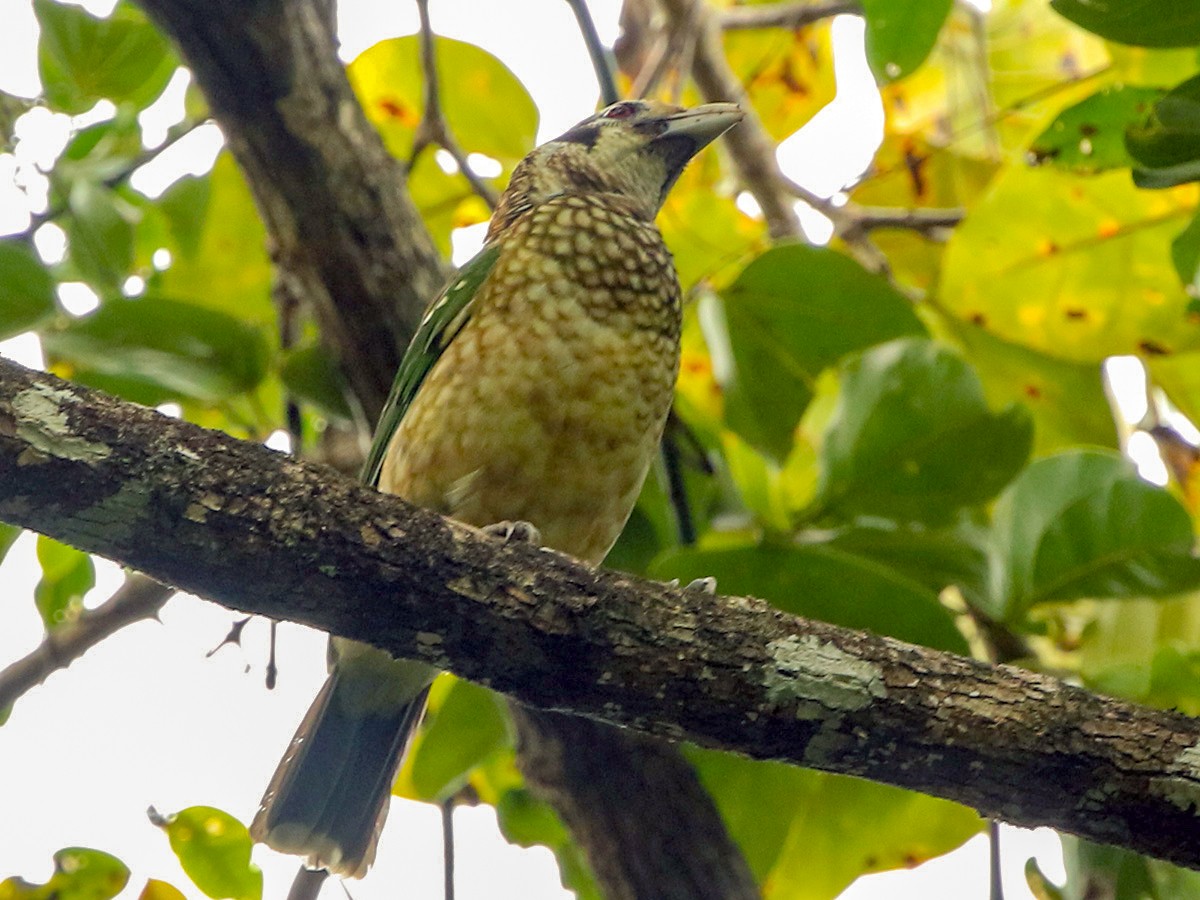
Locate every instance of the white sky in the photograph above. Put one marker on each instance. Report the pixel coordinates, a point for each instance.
(145, 719)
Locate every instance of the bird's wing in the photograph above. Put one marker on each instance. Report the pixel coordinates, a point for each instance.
(444, 319)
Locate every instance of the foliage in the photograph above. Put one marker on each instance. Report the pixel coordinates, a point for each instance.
(901, 454)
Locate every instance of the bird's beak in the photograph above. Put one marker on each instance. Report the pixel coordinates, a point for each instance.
(700, 125)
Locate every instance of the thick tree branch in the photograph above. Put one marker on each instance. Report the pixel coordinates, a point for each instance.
(138, 598)
(345, 234)
(263, 533)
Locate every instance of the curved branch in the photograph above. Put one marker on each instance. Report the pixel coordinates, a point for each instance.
(596, 52)
(259, 532)
(138, 598)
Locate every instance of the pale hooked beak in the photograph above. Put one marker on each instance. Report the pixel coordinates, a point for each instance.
(701, 124)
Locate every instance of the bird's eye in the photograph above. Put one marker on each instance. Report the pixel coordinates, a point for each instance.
(620, 111)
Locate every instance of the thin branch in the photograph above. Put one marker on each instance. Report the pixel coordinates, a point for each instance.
(433, 128)
(750, 145)
(596, 51)
(685, 524)
(307, 884)
(995, 881)
(786, 15)
(137, 599)
(260, 532)
(933, 224)
(118, 178)
(447, 808)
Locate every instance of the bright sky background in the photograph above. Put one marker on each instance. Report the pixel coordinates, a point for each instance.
(145, 719)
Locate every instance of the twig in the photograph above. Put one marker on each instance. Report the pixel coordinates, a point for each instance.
(599, 56)
(931, 223)
(138, 598)
(272, 667)
(996, 883)
(307, 884)
(754, 156)
(786, 15)
(448, 848)
(752, 149)
(677, 496)
(433, 128)
(118, 178)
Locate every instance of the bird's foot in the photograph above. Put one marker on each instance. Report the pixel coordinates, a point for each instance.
(705, 586)
(514, 532)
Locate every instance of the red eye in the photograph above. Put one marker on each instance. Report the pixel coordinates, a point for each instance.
(620, 111)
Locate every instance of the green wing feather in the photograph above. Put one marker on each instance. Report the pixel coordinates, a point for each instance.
(444, 319)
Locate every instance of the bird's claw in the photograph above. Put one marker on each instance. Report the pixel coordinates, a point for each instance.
(514, 532)
(706, 586)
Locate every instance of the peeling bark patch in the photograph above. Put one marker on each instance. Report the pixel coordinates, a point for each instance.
(819, 678)
(1182, 791)
(42, 423)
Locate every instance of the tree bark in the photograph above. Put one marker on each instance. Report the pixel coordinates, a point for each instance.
(616, 789)
(263, 533)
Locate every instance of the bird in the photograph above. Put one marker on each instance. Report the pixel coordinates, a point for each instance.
(531, 399)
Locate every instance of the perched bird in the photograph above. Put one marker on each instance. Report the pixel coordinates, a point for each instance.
(535, 390)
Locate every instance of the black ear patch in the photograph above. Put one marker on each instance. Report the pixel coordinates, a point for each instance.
(585, 133)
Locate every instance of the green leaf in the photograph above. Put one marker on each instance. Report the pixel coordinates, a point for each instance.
(786, 72)
(26, 289)
(101, 151)
(186, 205)
(1075, 268)
(1106, 871)
(1167, 143)
(188, 350)
(214, 849)
(82, 59)
(1143, 23)
(1039, 885)
(822, 582)
(1068, 400)
(1185, 255)
(217, 243)
(933, 558)
(791, 313)
(99, 234)
(486, 107)
(912, 437)
(160, 890)
(639, 542)
(901, 34)
(784, 817)
(1082, 524)
(1089, 137)
(468, 726)
(67, 575)
(8, 535)
(310, 374)
(527, 821)
(79, 874)
(1179, 378)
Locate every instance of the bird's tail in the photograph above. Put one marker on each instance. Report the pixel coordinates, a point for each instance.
(329, 796)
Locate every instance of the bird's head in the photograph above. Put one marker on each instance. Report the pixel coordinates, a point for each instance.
(635, 149)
